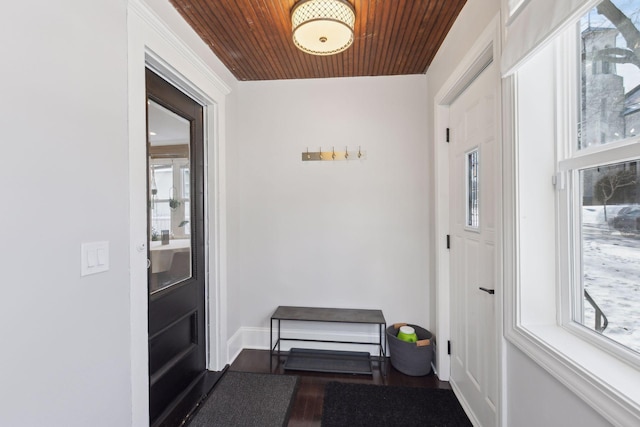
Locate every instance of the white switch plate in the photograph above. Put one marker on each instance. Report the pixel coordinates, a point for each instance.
(94, 258)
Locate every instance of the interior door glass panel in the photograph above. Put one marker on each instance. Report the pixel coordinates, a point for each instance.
(169, 198)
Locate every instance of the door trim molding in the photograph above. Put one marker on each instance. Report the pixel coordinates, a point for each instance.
(151, 41)
(171, 40)
(485, 49)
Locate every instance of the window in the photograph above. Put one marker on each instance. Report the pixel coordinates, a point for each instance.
(576, 254)
(473, 213)
(606, 287)
(605, 191)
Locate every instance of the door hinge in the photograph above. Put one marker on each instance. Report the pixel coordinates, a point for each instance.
(447, 134)
(449, 347)
(448, 241)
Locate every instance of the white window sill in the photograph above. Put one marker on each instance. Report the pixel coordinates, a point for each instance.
(606, 383)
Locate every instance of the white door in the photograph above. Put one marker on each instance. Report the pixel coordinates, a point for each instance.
(474, 208)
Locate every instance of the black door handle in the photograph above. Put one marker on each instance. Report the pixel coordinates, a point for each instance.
(489, 291)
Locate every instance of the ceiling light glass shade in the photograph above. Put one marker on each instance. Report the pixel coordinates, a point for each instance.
(323, 27)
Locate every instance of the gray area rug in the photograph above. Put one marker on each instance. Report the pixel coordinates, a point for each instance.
(365, 405)
(247, 399)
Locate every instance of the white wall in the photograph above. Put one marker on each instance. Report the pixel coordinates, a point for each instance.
(537, 399)
(63, 117)
(69, 357)
(336, 234)
(533, 397)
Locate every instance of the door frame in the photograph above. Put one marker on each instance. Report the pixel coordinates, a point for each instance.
(486, 48)
(153, 44)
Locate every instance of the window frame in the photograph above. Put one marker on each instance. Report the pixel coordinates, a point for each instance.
(468, 191)
(571, 160)
(178, 166)
(570, 245)
(538, 306)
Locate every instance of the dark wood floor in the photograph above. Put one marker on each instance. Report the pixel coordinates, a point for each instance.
(307, 406)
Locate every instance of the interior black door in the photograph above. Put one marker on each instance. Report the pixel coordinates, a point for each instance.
(176, 245)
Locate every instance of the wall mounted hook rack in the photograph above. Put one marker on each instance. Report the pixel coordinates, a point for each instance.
(333, 155)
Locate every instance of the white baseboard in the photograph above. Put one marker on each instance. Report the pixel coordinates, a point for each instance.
(234, 346)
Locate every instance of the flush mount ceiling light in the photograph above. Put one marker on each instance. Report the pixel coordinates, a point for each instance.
(323, 27)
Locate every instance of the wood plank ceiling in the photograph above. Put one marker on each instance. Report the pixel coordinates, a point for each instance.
(253, 37)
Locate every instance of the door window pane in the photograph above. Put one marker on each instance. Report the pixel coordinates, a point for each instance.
(473, 214)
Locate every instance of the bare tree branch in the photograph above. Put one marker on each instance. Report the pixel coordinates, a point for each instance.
(617, 55)
(622, 23)
(608, 185)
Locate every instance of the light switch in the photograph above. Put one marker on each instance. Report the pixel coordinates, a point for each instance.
(103, 256)
(94, 258)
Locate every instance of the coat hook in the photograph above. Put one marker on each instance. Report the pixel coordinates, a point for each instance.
(359, 152)
(333, 153)
(308, 155)
(346, 152)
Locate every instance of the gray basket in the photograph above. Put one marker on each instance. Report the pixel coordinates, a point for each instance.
(407, 357)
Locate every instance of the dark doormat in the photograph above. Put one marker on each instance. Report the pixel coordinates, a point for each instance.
(370, 405)
(245, 399)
